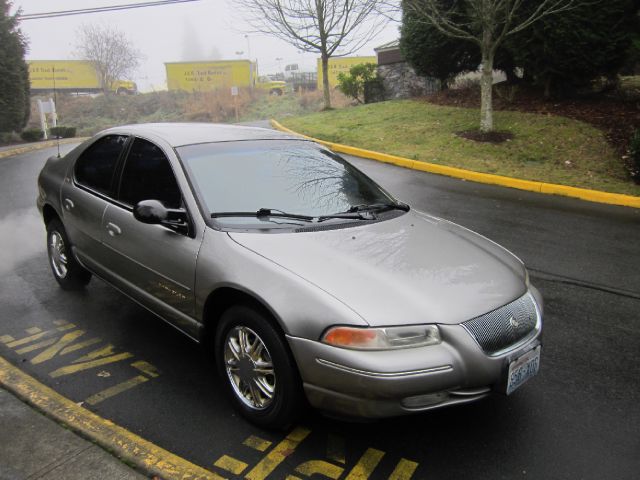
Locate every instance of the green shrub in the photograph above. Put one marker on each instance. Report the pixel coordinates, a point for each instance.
(63, 132)
(634, 150)
(8, 137)
(374, 90)
(32, 135)
(353, 83)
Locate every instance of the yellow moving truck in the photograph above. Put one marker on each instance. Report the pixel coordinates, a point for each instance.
(203, 76)
(339, 65)
(211, 75)
(70, 75)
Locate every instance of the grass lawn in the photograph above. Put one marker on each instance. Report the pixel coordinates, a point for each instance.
(546, 148)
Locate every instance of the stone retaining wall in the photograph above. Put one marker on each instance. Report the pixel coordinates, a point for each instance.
(401, 81)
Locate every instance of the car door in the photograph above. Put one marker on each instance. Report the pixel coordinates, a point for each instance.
(85, 195)
(154, 263)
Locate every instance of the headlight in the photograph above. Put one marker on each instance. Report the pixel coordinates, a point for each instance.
(382, 338)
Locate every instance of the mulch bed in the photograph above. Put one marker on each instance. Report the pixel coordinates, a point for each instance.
(489, 137)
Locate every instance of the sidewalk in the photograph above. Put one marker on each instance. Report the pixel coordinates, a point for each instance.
(20, 148)
(17, 145)
(33, 446)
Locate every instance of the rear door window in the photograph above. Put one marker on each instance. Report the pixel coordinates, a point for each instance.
(96, 166)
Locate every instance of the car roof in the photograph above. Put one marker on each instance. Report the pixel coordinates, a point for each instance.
(181, 134)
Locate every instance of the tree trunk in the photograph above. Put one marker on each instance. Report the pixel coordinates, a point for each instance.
(325, 81)
(486, 93)
(547, 87)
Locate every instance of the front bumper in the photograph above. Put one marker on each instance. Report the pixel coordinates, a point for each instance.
(375, 384)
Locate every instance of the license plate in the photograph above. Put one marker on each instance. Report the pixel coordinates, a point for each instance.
(522, 369)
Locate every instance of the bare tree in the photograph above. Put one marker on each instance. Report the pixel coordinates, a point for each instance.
(487, 23)
(110, 51)
(328, 27)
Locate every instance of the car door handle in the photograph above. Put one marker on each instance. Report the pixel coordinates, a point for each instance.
(113, 229)
(68, 204)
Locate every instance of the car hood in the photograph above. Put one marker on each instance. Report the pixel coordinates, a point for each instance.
(410, 269)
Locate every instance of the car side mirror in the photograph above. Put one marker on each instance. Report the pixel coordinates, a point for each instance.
(153, 212)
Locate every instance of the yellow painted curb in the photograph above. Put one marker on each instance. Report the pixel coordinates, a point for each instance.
(39, 146)
(529, 185)
(147, 457)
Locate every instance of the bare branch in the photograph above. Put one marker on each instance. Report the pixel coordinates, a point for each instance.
(327, 27)
(109, 51)
(548, 7)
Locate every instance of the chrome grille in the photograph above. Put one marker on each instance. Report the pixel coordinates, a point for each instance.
(505, 326)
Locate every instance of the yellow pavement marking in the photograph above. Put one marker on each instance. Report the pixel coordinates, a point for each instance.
(102, 352)
(335, 448)
(146, 368)
(320, 467)
(6, 338)
(292, 477)
(33, 330)
(69, 369)
(37, 346)
(116, 389)
(366, 465)
(231, 464)
(78, 346)
(54, 349)
(146, 456)
(257, 443)
(65, 327)
(488, 178)
(275, 457)
(32, 338)
(404, 470)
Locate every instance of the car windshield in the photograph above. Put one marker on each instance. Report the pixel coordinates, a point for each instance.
(293, 176)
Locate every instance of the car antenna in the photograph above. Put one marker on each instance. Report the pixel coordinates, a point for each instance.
(55, 108)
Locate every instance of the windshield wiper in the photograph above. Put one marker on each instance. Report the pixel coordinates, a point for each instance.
(364, 207)
(264, 212)
(272, 212)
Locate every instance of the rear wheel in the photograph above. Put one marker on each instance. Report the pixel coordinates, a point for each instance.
(255, 364)
(66, 269)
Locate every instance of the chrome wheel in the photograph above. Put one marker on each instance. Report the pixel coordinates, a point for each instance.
(58, 254)
(249, 367)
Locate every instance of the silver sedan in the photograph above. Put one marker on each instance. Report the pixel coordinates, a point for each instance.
(300, 275)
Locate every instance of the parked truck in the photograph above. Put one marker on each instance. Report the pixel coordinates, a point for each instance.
(299, 79)
(77, 76)
(339, 65)
(212, 75)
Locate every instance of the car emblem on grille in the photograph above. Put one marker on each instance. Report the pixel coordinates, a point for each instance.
(513, 322)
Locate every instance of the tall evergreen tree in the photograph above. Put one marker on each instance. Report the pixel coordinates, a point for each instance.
(434, 54)
(567, 51)
(14, 73)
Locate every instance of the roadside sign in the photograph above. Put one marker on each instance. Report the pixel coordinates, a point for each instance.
(234, 91)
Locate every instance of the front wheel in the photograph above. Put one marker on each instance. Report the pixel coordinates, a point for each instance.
(255, 364)
(69, 274)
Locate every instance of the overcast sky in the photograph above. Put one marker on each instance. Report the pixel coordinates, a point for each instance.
(181, 32)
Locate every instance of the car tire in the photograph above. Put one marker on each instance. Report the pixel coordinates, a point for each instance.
(257, 368)
(69, 274)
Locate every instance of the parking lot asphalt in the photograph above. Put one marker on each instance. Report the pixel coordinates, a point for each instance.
(578, 418)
